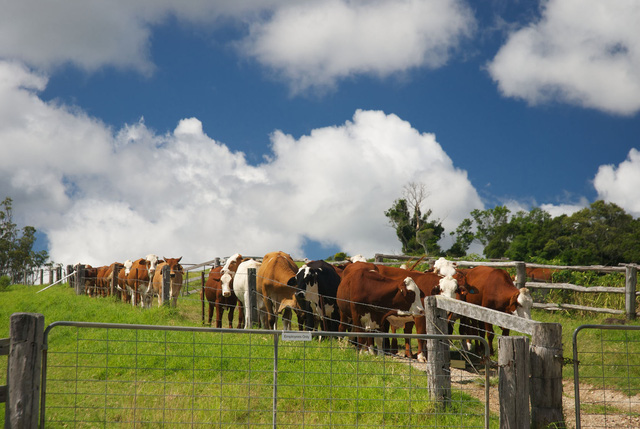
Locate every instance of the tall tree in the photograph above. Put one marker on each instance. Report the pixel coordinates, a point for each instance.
(16, 246)
(417, 233)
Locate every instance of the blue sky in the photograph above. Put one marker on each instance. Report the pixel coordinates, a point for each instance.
(203, 129)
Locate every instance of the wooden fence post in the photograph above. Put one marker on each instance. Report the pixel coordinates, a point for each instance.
(521, 274)
(79, 279)
(438, 372)
(166, 285)
(631, 279)
(24, 371)
(513, 387)
(253, 298)
(546, 376)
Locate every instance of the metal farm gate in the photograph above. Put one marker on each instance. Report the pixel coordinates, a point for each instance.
(607, 376)
(111, 375)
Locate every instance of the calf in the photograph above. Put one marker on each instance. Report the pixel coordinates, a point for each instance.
(214, 294)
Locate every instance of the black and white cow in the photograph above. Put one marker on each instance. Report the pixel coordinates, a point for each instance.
(317, 283)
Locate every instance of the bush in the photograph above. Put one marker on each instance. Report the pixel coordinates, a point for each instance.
(340, 256)
(5, 281)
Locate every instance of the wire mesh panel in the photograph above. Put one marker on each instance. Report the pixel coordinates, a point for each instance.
(607, 376)
(108, 375)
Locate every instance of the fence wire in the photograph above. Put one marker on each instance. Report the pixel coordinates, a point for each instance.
(607, 376)
(110, 375)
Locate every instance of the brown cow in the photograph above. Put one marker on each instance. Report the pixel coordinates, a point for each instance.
(493, 288)
(90, 276)
(138, 282)
(213, 291)
(368, 299)
(429, 284)
(176, 273)
(277, 283)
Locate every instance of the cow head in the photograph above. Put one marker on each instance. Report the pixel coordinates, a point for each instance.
(444, 267)
(152, 263)
(228, 271)
(416, 308)
(448, 287)
(127, 266)
(522, 302)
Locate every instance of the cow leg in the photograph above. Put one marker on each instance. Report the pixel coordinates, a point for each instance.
(286, 319)
(241, 317)
(408, 329)
(218, 315)
(421, 329)
(489, 333)
(211, 306)
(230, 316)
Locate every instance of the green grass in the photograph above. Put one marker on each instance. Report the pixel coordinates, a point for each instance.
(115, 377)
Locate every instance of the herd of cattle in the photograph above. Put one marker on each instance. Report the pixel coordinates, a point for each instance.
(356, 295)
(136, 281)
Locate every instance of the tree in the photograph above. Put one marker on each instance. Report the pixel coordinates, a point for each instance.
(16, 246)
(464, 236)
(415, 231)
(493, 230)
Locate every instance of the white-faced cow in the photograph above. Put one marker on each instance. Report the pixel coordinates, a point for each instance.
(214, 294)
(493, 288)
(367, 299)
(317, 283)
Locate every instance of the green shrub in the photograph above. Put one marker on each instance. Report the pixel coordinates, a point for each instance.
(5, 281)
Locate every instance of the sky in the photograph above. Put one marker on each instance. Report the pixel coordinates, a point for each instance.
(204, 128)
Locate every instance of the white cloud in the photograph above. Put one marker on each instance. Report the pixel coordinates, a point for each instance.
(619, 184)
(102, 196)
(93, 34)
(582, 52)
(556, 210)
(315, 44)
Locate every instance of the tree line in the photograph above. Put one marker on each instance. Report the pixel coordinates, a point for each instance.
(601, 234)
(16, 247)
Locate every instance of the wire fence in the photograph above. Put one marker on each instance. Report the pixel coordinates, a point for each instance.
(607, 376)
(110, 375)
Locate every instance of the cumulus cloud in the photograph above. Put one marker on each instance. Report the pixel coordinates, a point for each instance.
(619, 184)
(315, 44)
(103, 195)
(581, 52)
(309, 43)
(101, 33)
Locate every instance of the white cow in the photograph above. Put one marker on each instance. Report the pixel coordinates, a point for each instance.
(241, 289)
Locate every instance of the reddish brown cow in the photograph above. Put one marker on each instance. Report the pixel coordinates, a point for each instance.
(368, 299)
(540, 274)
(429, 284)
(90, 275)
(216, 299)
(493, 288)
(176, 273)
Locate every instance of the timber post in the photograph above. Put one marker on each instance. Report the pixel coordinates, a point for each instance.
(438, 372)
(513, 387)
(546, 376)
(631, 279)
(79, 279)
(253, 297)
(166, 286)
(24, 370)
(521, 274)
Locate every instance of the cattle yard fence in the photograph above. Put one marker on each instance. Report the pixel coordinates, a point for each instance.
(83, 374)
(606, 376)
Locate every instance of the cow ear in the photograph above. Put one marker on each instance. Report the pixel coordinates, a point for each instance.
(513, 303)
(403, 288)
